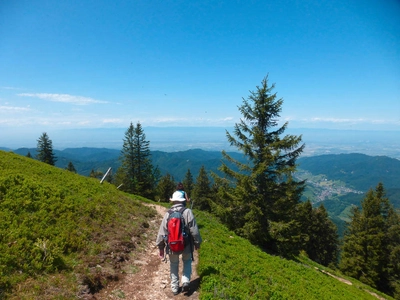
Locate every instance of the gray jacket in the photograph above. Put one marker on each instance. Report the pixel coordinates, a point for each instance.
(190, 222)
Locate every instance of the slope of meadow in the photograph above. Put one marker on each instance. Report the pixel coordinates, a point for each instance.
(64, 236)
(57, 228)
(231, 268)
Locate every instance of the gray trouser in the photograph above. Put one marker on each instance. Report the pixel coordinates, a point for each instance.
(174, 268)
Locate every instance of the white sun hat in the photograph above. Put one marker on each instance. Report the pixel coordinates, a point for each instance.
(178, 196)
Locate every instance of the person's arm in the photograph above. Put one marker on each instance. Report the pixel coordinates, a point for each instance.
(187, 197)
(162, 232)
(194, 229)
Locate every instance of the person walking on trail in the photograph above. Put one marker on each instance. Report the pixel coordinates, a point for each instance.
(180, 193)
(192, 241)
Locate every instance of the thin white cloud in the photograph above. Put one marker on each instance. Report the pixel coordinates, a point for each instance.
(86, 122)
(227, 119)
(113, 121)
(9, 88)
(343, 120)
(8, 109)
(337, 120)
(65, 98)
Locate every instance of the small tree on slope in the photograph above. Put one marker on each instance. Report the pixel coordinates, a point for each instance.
(258, 199)
(45, 150)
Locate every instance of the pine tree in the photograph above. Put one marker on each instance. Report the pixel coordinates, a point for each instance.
(371, 243)
(165, 187)
(202, 191)
(29, 154)
(393, 250)
(136, 172)
(188, 183)
(319, 234)
(71, 167)
(45, 150)
(262, 204)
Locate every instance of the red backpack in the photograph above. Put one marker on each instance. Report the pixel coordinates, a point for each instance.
(177, 233)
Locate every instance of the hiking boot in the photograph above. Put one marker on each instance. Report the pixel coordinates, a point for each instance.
(185, 287)
(176, 292)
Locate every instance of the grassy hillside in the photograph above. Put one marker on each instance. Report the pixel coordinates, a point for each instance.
(84, 159)
(56, 227)
(231, 268)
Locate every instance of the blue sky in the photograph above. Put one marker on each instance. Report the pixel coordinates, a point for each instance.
(103, 64)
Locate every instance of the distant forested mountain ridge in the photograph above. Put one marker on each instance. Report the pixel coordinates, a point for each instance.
(358, 171)
(100, 159)
(84, 159)
(330, 180)
(177, 163)
(344, 180)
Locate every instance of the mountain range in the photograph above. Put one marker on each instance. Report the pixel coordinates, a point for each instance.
(338, 181)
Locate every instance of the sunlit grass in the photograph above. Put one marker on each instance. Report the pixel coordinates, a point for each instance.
(57, 227)
(231, 268)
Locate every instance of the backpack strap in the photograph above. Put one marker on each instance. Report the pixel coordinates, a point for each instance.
(187, 231)
(182, 209)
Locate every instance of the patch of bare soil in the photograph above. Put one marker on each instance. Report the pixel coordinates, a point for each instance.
(336, 277)
(145, 275)
(350, 283)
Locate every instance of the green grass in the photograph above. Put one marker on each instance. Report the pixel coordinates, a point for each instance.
(57, 227)
(231, 268)
(61, 233)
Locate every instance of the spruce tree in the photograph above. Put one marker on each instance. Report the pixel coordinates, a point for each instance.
(202, 191)
(188, 183)
(262, 201)
(45, 150)
(71, 167)
(165, 188)
(136, 172)
(392, 241)
(371, 243)
(319, 234)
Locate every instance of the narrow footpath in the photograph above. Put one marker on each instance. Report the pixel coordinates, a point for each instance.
(146, 276)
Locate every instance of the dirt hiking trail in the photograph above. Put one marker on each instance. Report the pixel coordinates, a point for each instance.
(146, 275)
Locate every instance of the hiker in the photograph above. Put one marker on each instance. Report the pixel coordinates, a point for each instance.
(180, 193)
(193, 241)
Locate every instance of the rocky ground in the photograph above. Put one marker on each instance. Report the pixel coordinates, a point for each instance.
(146, 275)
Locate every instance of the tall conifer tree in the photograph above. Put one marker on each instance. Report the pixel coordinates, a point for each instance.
(262, 202)
(371, 243)
(319, 234)
(45, 150)
(188, 183)
(202, 190)
(166, 187)
(136, 172)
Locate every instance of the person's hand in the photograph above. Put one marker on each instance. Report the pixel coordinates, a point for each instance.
(161, 253)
